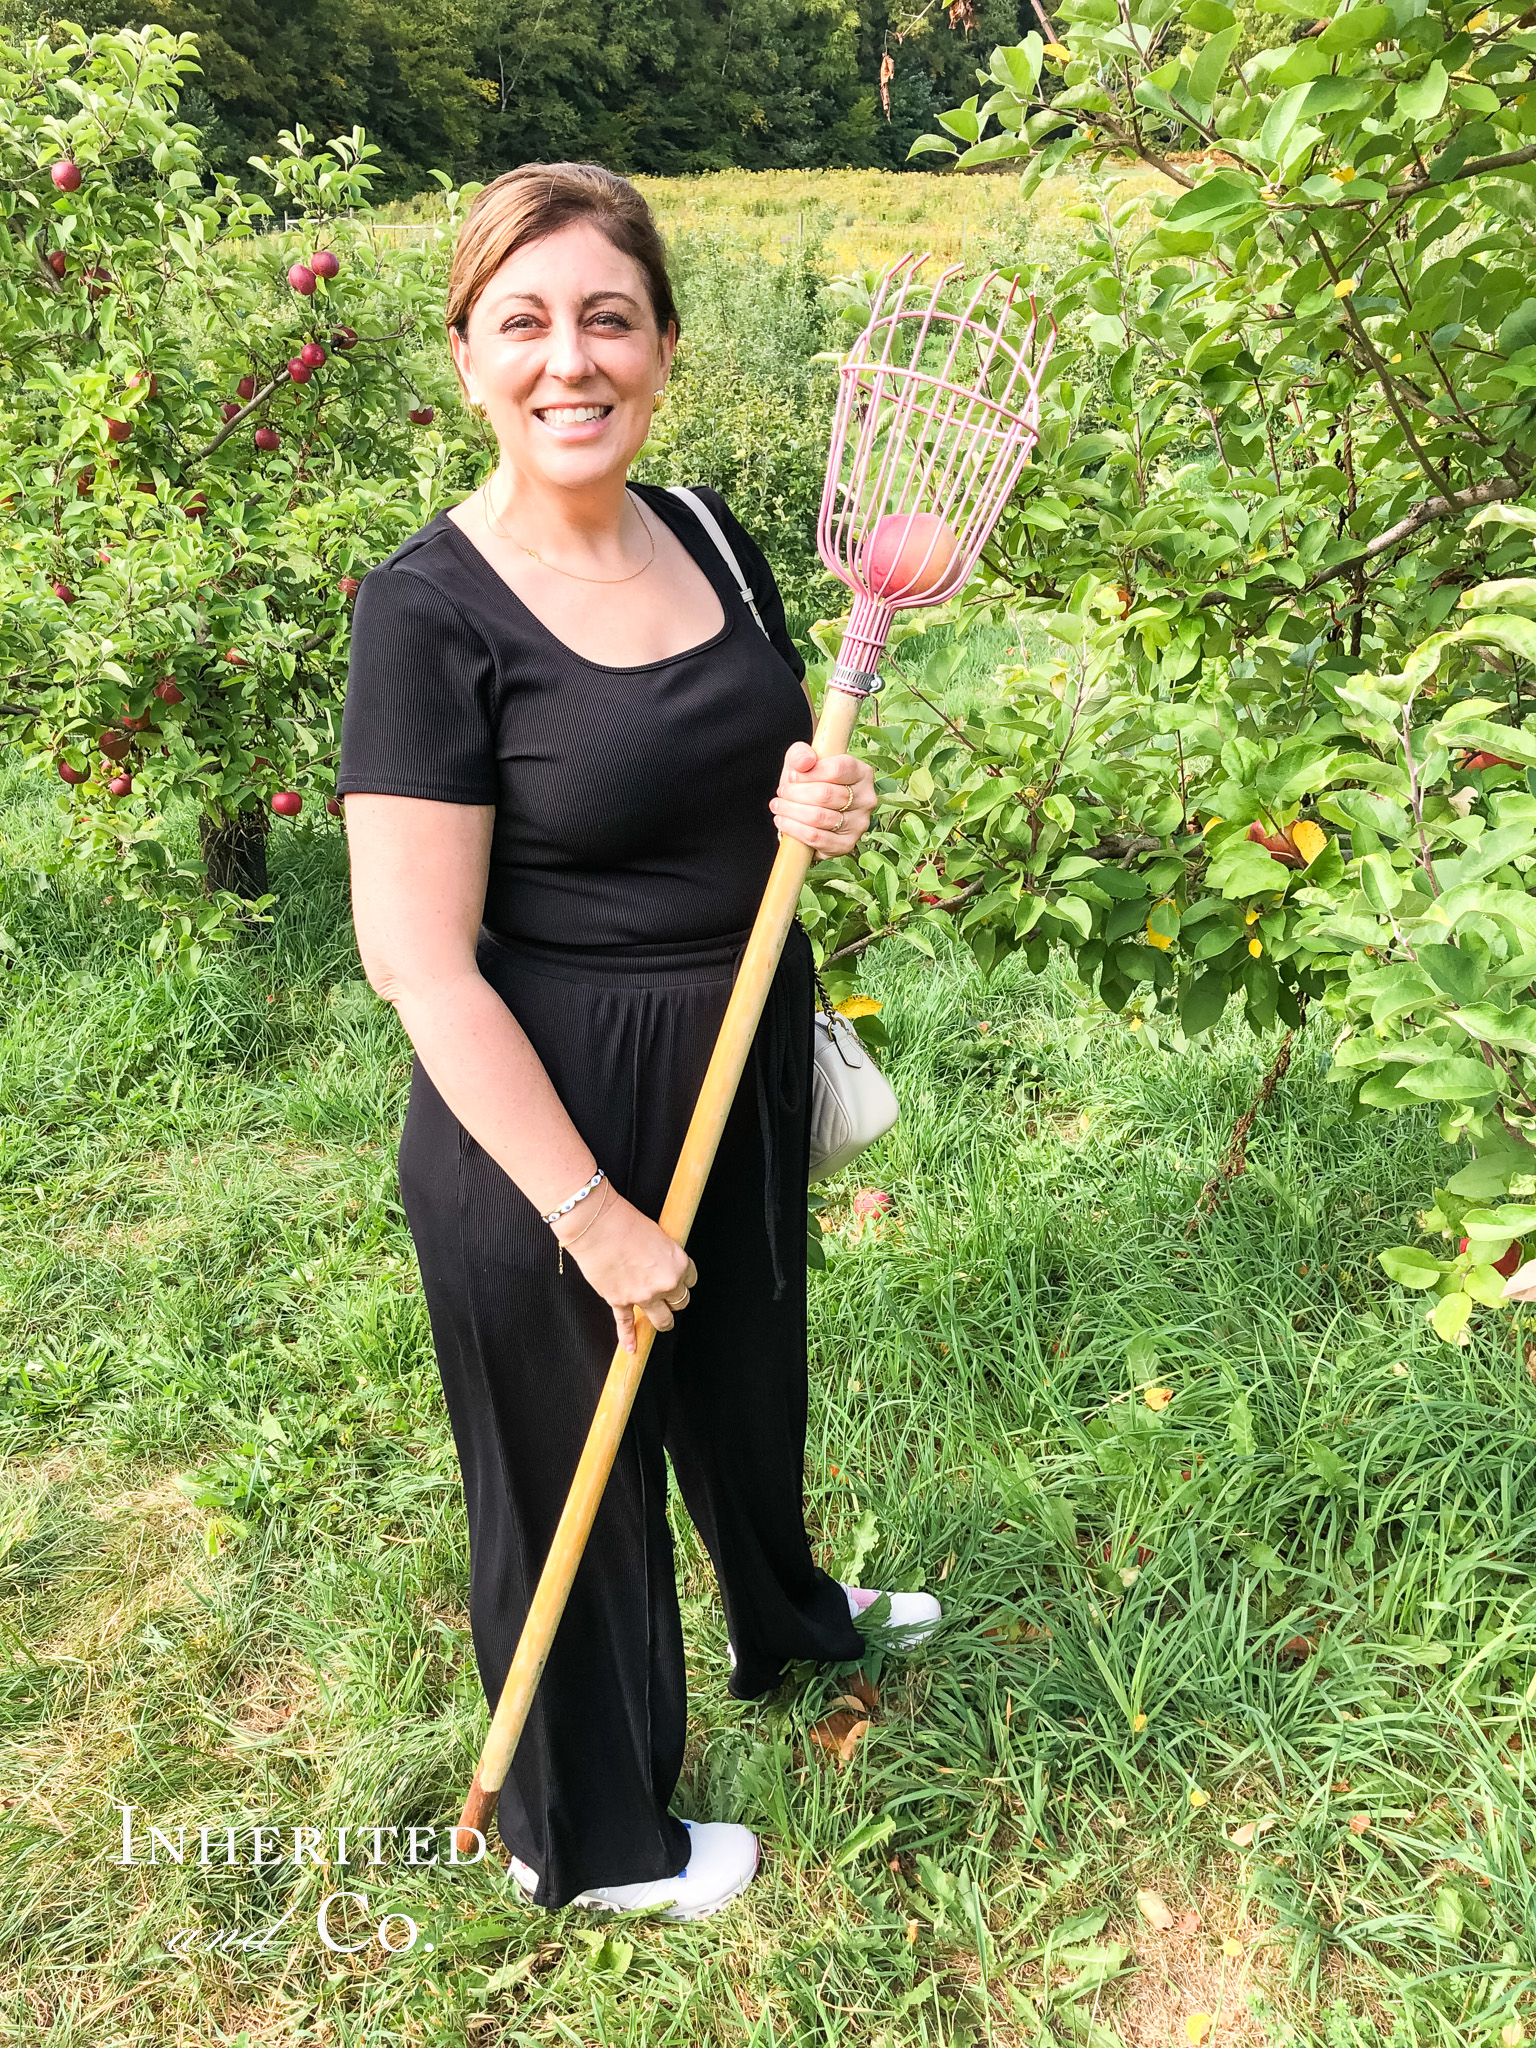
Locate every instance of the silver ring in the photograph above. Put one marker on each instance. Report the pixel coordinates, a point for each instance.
(687, 1296)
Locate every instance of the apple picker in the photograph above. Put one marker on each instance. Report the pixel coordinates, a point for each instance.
(938, 408)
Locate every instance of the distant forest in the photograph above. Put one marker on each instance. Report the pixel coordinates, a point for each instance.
(668, 86)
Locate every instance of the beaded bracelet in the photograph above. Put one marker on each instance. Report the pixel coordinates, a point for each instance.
(580, 1195)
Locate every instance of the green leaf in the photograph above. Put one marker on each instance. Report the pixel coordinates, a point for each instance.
(1382, 883)
(1202, 1001)
(1453, 969)
(1450, 1080)
(1422, 98)
(1354, 29)
(1410, 1267)
(1450, 1315)
(1219, 200)
(1518, 329)
(1206, 71)
(1514, 1029)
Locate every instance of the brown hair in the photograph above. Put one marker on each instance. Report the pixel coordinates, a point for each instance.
(536, 200)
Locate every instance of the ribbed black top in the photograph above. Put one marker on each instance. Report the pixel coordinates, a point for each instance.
(631, 803)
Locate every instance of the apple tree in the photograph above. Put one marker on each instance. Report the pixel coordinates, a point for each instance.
(209, 428)
(1270, 745)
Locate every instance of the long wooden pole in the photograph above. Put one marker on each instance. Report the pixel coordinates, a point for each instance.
(840, 711)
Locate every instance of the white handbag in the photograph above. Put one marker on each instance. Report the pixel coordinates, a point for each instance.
(852, 1103)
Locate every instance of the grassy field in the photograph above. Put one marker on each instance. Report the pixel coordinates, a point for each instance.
(1236, 1557)
(859, 219)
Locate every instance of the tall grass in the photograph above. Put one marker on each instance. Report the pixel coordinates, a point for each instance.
(1265, 1649)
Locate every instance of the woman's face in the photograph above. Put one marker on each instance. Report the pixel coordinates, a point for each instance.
(562, 350)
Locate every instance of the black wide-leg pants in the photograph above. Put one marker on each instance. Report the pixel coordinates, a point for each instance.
(523, 1351)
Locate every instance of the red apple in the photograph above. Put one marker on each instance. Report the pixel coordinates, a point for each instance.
(343, 337)
(421, 416)
(167, 691)
(1507, 1266)
(97, 279)
(130, 723)
(236, 660)
(872, 1202)
(73, 775)
(302, 278)
(230, 409)
(246, 389)
(267, 439)
(119, 430)
(299, 370)
(349, 587)
(66, 175)
(196, 506)
(141, 376)
(58, 263)
(313, 354)
(120, 785)
(1476, 762)
(287, 803)
(63, 593)
(84, 480)
(908, 554)
(334, 807)
(114, 744)
(324, 264)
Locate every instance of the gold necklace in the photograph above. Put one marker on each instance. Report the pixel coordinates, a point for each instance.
(485, 492)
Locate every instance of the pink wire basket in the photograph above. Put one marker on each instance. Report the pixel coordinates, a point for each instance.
(938, 409)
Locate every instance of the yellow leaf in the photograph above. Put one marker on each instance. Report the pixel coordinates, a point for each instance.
(1059, 52)
(1308, 839)
(1358, 1823)
(1512, 2034)
(1197, 1798)
(1157, 939)
(1209, 823)
(1196, 2027)
(1480, 20)
(1153, 1910)
(1242, 1838)
(1255, 947)
(1252, 916)
(859, 1006)
(1139, 1723)
(1231, 1948)
(1344, 287)
(1345, 173)
(1135, 1023)
(1158, 1397)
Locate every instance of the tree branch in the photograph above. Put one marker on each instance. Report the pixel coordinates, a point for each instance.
(244, 413)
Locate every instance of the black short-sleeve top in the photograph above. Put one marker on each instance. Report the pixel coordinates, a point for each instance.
(631, 803)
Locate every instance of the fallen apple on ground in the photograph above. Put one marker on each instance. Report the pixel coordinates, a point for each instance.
(869, 1202)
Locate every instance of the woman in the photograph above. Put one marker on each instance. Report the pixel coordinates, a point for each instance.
(561, 809)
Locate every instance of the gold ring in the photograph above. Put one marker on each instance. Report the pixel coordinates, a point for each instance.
(847, 799)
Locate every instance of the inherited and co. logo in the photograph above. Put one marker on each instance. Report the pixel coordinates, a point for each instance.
(324, 1849)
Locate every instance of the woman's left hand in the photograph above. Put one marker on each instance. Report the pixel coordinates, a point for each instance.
(826, 804)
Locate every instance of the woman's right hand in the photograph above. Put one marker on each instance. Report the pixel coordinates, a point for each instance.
(632, 1263)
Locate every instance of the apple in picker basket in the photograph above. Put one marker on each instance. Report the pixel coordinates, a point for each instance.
(287, 803)
(1509, 1265)
(907, 554)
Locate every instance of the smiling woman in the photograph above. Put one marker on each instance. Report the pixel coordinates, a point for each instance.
(562, 809)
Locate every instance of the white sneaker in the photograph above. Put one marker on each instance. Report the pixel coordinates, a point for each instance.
(913, 1616)
(722, 1862)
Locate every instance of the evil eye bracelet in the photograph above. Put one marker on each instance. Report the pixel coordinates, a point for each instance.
(580, 1195)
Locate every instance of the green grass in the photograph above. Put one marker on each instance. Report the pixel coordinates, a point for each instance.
(1310, 1572)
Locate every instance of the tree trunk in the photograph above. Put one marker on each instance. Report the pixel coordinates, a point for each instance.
(235, 853)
